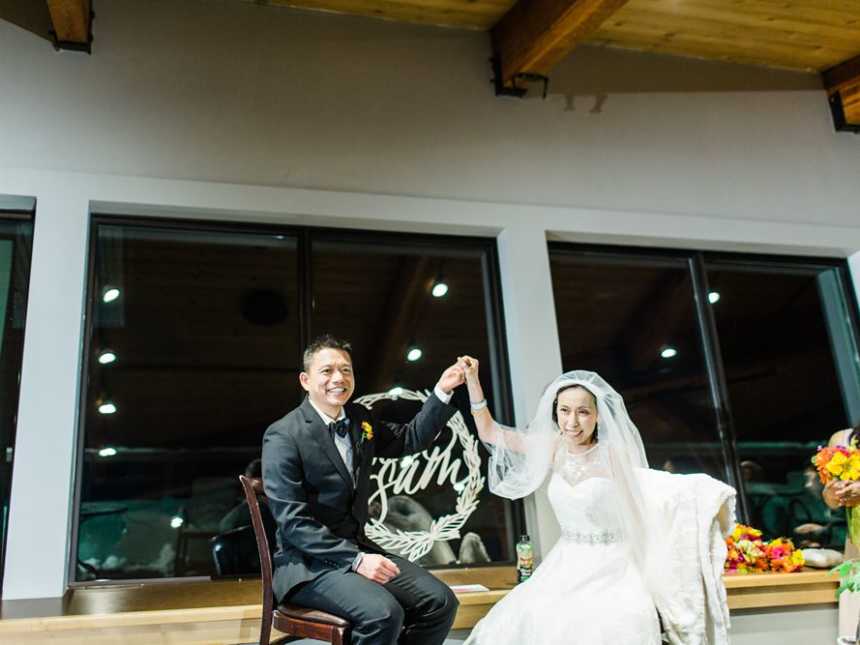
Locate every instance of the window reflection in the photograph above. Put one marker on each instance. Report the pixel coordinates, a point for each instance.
(782, 327)
(405, 332)
(203, 330)
(194, 349)
(788, 346)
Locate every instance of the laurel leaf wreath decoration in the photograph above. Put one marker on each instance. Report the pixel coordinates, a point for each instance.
(415, 544)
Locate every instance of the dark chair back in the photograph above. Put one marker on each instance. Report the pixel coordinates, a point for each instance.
(296, 621)
(253, 488)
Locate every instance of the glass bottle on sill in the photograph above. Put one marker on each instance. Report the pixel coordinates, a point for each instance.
(525, 558)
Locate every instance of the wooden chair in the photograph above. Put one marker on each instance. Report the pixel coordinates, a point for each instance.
(297, 622)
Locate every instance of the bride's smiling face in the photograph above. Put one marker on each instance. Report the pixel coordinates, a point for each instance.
(576, 412)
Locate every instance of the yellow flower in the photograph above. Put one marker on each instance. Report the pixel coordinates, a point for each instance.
(744, 530)
(797, 558)
(837, 463)
(852, 470)
(366, 431)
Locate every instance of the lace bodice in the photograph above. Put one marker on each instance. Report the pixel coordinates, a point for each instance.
(583, 499)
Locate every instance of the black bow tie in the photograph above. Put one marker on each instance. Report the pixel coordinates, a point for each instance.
(340, 427)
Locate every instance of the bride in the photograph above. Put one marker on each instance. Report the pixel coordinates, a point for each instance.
(633, 541)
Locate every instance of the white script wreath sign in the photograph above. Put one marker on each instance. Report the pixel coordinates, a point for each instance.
(404, 475)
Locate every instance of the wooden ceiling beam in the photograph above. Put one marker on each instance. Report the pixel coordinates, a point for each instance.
(72, 24)
(28, 15)
(536, 34)
(843, 90)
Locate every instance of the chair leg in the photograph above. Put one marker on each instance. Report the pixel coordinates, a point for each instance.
(266, 629)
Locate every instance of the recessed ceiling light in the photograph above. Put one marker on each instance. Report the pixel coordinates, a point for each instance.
(669, 352)
(439, 289)
(714, 296)
(107, 357)
(107, 408)
(107, 452)
(414, 354)
(110, 294)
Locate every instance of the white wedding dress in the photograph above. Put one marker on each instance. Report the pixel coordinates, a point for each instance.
(633, 540)
(587, 590)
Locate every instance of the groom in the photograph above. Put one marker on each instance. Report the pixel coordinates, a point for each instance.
(316, 470)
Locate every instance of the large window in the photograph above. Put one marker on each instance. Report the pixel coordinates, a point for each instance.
(792, 375)
(193, 350)
(194, 347)
(733, 365)
(16, 235)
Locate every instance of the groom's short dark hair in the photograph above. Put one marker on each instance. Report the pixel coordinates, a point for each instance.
(326, 341)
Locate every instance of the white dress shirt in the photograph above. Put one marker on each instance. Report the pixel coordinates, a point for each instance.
(343, 444)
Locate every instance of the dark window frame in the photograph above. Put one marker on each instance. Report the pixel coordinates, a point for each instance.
(305, 237)
(23, 217)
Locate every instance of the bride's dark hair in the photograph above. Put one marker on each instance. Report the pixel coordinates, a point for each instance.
(594, 436)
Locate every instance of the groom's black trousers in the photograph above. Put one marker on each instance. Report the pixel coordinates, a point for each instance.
(420, 604)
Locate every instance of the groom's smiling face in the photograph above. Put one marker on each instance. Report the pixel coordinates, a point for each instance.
(329, 380)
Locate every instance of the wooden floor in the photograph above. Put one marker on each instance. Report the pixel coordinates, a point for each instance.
(228, 612)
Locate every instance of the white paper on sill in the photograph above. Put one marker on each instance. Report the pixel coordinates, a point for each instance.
(468, 588)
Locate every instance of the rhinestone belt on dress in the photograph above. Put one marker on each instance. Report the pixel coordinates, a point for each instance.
(603, 537)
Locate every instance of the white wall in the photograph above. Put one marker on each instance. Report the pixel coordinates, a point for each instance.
(47, 415)
(235, 111)
(802, 625)
(224, 90)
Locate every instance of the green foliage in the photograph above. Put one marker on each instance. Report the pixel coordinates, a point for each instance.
(849, 576)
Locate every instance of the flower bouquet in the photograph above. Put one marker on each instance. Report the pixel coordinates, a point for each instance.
(783, 557)
(841, 463)
(748, 553)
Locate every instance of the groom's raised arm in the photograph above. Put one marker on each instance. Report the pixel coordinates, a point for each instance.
(282, 480)
(407, 438)
(398, 439)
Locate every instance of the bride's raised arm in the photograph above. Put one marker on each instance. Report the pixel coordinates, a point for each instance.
(488, 430)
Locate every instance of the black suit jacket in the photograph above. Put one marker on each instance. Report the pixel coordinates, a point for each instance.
(319, 515)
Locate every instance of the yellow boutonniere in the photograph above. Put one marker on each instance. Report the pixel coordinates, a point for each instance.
(366, 431)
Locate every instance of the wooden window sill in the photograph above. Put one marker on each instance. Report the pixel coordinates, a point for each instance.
(760, 590)
(232, 606)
